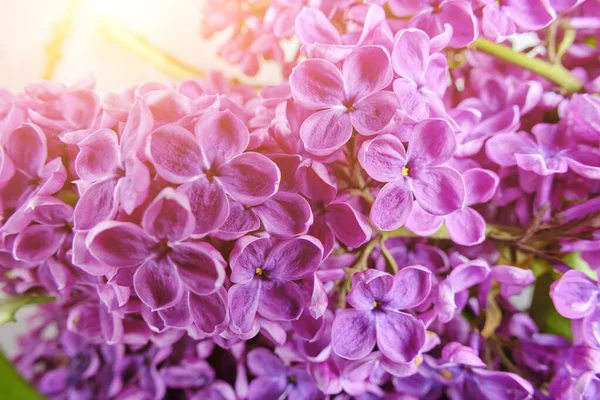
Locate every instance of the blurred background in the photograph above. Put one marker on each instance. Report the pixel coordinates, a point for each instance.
(71, 40)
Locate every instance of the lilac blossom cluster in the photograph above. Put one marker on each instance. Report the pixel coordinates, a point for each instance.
(412, 214)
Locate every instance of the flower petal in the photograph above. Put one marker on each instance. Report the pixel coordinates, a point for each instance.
(383, 158)
(392, 206)
(285, 215)
(530, 14)
(119, 244)
(439, 190)
(177, 316)
(366, 71)
(221, 136)
(280, 300)
(411, 287)
(466, 227)
(574, 294)
(353, 334)
(263, 362)
(313, 181)
(98, 203)
(243, 300)
(502, 148)
(295, 258)
(134, 186)
(169, 216)
(250, 178)
(175, 153)
(481, 185)
(198, 267)
(326, 131)
(431, 143)
(373, 113)
(400, 336)
(26, 147)
(241, 220)
(209, 312)
(505, 385)
(37, 243)
(157, 284)
(98, 155)
(317, 84)
(349, 226)
(312, 26)
(208, 203)
(411, 54)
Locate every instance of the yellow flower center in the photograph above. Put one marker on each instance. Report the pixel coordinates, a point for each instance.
(446, 374)
(258, 271)
(376, 304)
(405, 171)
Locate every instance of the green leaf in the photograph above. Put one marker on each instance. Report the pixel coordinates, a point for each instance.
(575, 261)
(557, 324)
(10, 305)
(12, 384)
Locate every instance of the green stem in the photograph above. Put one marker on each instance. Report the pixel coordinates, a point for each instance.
(388, 256)
(554, 72)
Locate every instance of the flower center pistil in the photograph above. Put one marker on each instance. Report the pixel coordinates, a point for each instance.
(405, 171)
(259, 271)
(376, 304)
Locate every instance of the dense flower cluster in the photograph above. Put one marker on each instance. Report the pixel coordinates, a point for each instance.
(409, 215)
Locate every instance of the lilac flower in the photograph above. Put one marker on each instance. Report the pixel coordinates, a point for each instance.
(109, 178)
(576, 296)
(477, 382)
(165, 263)
(274, 380)
(332, 218)
(343, 100)
(465, 226)
(263, 273)
(212, 164)
(423, 76)
(376, 318)
(551, 152)
(438, 189)
(502, 20)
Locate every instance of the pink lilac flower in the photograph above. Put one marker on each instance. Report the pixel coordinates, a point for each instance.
(352, 98)
(211, 164)
(265, 273)
(377, 299)
(500, 20)
(438, 189)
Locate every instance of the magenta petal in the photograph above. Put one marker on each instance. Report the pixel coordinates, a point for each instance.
(481, 185)
(383, 158)
(392, 206)
(208, 203)
(263, 362)
(317, 84)
(530, 14)
(411, 287)
(432, 142)
(209, 312)
(280, 300)
(421, 222)
(466, 227)
(295, 258)
(349, 226)
(119, 244)
(459, 14)
(496, 24)
(177, 316)
(439, 190)
(507, 385)
(169, 216)
(49, 210)
(285, 215)
(26, 147)
(198, 267)
(502, 148)
(243, 304)
(400, 336)
(175, 153)
(98, 203)
(7, 168)
(250, 178)
(467, 275)
(313, 181)
(157, 284)
(412, 101)
(326, 131)
(574, 294)
(134, 186)
(98, 155)
(366, 71)
(312, 26)
(353, 334)
(411, 54)
(373, 113)
(584, 163)
(323, 232)
(221, 136)
(240, 221)
(37, 243)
